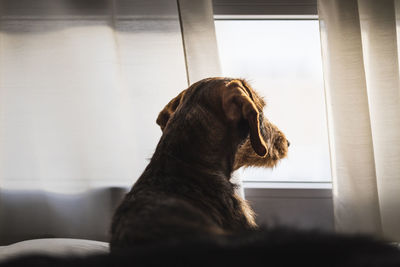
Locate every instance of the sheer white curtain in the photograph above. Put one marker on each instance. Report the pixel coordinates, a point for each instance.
(82, 82)
(361, 71)
(81, 85)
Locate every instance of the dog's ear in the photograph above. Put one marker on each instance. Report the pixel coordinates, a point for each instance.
(168, 110)
(237, 104)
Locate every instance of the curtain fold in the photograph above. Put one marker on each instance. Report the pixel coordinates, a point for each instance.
(360, 58)
(199, 38)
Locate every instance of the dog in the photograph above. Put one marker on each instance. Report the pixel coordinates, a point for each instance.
(209, 130)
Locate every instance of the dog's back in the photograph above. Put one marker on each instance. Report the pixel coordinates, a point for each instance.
(153, 216)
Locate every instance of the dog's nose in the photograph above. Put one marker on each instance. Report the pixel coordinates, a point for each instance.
(288, 143)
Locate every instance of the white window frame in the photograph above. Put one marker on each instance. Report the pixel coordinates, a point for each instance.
(270, 10)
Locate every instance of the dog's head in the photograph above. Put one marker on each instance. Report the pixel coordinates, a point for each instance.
(237, 104)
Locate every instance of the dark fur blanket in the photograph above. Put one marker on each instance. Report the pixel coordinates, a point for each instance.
(278, 247)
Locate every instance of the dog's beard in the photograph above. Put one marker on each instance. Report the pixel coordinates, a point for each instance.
(277, 148)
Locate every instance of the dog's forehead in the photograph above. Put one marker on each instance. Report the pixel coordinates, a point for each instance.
(205, 86)
(258, 100)
(217, 84)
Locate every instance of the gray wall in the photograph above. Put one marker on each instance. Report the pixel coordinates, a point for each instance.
(301, 208)
(30, 214)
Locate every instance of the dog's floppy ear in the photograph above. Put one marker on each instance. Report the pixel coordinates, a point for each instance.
(237, 104)
(169, 109)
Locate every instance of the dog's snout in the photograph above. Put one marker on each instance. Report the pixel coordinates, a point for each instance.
(288, 143)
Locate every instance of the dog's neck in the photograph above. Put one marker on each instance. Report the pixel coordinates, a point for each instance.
(197, 143)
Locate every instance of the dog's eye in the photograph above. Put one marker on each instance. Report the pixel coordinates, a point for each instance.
(263, 130)
(261, 120)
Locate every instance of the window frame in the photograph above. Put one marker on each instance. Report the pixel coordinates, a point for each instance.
(265, 7)
(271, 10)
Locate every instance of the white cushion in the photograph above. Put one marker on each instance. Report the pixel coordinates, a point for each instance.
(54, 247)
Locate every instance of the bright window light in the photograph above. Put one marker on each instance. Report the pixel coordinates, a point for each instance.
(282, 61)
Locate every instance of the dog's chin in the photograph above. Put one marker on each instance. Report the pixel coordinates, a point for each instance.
(247, 157)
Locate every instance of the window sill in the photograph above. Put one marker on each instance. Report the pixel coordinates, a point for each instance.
(287, 185)
(265, 17)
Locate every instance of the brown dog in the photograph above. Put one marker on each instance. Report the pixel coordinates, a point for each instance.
(209, 130)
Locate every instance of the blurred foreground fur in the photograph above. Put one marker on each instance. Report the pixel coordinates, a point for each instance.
(279, 247)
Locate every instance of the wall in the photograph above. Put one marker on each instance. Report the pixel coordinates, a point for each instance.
(30, 214)
(302, 208)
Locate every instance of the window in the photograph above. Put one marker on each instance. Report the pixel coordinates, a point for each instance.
(281, 58)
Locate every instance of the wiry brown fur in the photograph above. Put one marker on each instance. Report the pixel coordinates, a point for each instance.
(210, 129)
(277, 149)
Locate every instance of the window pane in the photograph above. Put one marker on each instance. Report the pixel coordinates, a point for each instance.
(282, 61)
